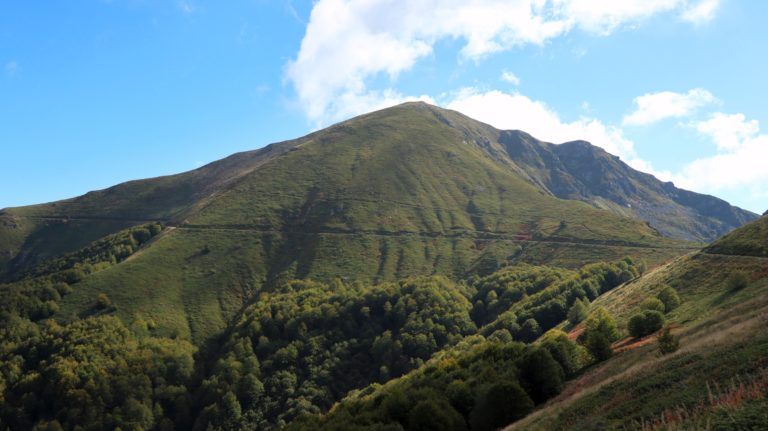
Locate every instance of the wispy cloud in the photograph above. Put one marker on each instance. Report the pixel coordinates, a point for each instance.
(740, 161)
(510, 77)
(654, 107)
(293, 12)
(738, 166)
(702, 12)
(186, 7)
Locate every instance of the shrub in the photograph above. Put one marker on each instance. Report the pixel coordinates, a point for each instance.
(540, 374)
(103, 301)
(599, 346)
(563, 350)
(600, 331)
(653, 304)
(530, 331)
(737, 281)
(645, 323)
(601, 321)
(668, 343)
(670, 298)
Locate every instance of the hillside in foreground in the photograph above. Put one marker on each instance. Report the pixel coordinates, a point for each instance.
(716, 379)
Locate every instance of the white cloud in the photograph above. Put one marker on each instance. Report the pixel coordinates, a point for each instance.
(349, 43)
(516, 111)
(653, 107)
(603, 17)
(510, 77)
(742, 167)
(701, 12)
(739, 165)
(728, 131)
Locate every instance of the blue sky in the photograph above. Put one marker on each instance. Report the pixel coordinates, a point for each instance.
(93, 93)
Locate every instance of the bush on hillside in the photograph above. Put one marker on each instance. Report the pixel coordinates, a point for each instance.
(645, 323)
(542, 376)
(737, 281)
(653, 304)
(563, 350)
(530, 331)
(667, 342)
(599, 332)
(435, 415)
(670, 298)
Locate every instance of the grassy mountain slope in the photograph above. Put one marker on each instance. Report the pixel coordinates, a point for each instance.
(31, 234)
(717, 380)
(388, 195)
(412, 168)
(751, 240)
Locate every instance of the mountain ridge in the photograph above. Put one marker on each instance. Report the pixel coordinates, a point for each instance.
(191, 198)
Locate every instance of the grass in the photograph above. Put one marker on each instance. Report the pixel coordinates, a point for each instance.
(27, 241)
(722, 337)
(189, 282)
(752, 240)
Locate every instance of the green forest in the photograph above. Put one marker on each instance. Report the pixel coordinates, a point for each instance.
(298, 348)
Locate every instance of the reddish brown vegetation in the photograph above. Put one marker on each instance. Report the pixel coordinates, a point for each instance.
(739, 391)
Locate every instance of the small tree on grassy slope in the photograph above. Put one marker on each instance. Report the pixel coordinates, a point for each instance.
(668, 343)
(578, 311)
(645, 323)
(670, 298)
(599, 332)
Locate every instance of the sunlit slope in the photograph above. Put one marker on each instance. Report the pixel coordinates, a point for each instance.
(750, 240)
(30, 234)
(723, 350)
(389, 195)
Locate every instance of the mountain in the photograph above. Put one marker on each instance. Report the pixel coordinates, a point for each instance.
(410, 190)
(366, 147)
(407, 264)
(579, 170)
